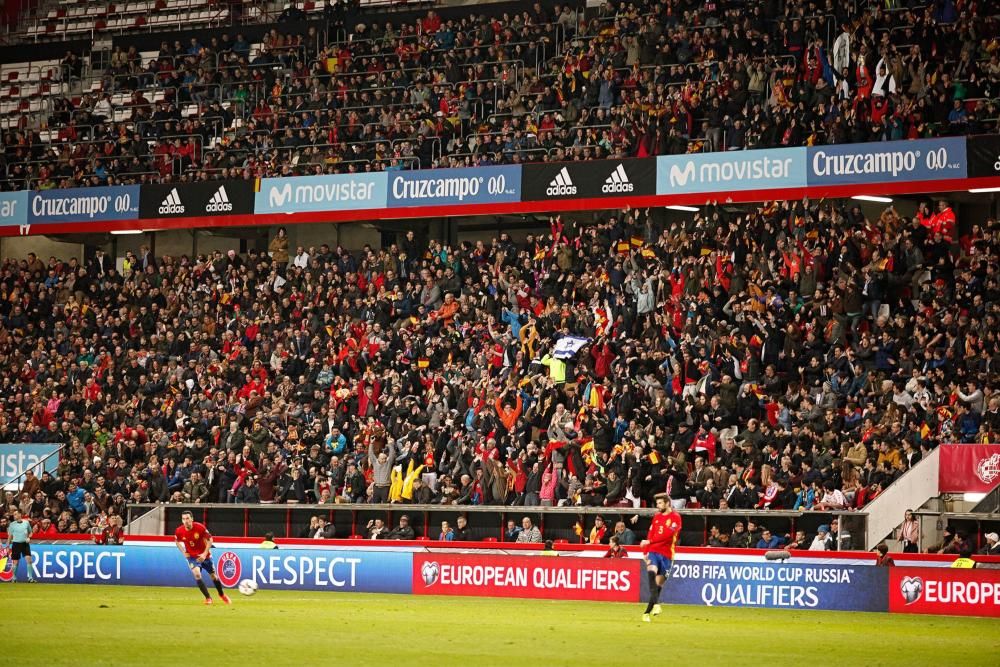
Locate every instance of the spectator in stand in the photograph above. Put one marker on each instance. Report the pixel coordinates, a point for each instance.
(462, 531)
(303, 106)
(403, 531)
(800, 541)
(715, 538)
(598, 532)
(512, 532)
(446, 535)
(991, 546)
(377, 530)
(883, 559)
(833, 498)
(616, 550)
(740, 539)
(529, 532)
(909, 533)
(823, 540)
(769, 541)
(163, 356)
(624, 534)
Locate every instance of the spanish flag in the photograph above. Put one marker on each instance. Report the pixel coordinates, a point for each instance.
(593, 396)
(423, 362)
(654, 457)
(648, 253)
(623, 247)
(637, 242)
(925, 430)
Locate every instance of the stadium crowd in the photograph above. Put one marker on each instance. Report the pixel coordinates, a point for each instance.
(630, 79)
(797, 355)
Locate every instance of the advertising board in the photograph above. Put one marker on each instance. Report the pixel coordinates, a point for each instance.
(538, 577)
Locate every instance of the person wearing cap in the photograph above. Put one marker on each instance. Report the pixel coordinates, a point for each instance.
(403, 531)
(822, 541)
(992, 546)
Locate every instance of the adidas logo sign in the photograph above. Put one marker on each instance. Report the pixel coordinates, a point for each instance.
(219, 202)
(617, 181)
(172, 204)
(561, 185)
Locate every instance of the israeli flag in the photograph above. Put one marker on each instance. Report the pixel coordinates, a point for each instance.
(567, 346)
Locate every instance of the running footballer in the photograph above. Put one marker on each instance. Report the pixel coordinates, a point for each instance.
(195, 542)
(658, 551)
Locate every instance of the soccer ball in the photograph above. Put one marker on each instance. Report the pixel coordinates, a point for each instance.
(248, 587)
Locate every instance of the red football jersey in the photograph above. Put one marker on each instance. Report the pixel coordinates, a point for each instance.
(663, 533)
(195, 540)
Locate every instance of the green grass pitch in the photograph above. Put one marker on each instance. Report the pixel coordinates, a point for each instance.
(120, 625)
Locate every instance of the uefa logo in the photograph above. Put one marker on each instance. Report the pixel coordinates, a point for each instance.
(229, 568)
(911, 588)
(430, 572)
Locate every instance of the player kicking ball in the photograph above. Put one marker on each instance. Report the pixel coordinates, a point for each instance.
(658, 551)
(195, 542)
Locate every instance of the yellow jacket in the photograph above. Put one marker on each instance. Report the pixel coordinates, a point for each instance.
(411, 475)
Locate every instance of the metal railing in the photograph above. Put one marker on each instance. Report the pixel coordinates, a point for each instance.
(488, 522)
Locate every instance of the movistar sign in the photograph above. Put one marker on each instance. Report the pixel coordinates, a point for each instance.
(734, 170)
(336, 192)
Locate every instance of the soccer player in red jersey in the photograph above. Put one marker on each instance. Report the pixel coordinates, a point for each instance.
(658, 551)
(195, 542)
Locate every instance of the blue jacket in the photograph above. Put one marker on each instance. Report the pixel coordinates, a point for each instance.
(75, 499)
(774, 543)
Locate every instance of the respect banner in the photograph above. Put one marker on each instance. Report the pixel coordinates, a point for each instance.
(288, 569)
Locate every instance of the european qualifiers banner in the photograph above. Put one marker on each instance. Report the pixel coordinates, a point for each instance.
(454, 187)
(536, 577)
(119, 202)
(984, 156)
(951, 592)
(778, 585)
(594, 179)
(196, 200)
